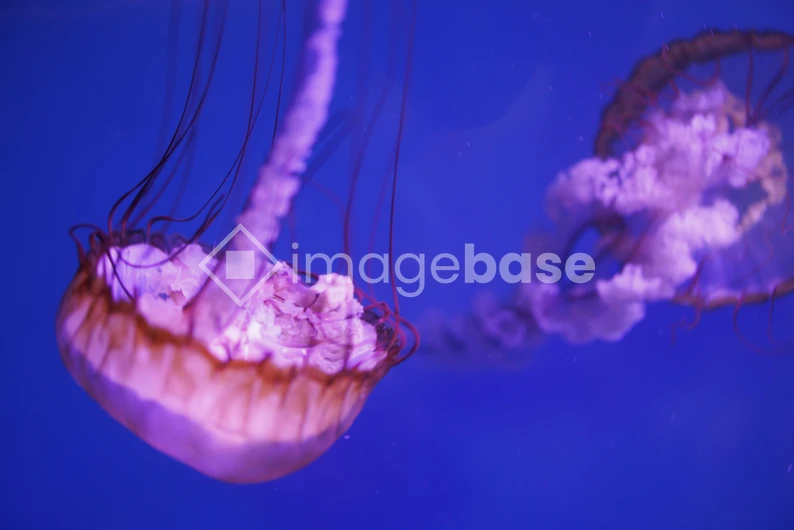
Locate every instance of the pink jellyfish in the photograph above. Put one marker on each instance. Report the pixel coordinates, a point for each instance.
(686, 200)
(228, 362)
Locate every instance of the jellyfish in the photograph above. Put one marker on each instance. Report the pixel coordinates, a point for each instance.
(685, 200)
(228, 361)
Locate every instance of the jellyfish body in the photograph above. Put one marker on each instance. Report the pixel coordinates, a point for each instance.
(271, 394)
(677, 189)
(242, 390)
(689, 192)
(688, 195)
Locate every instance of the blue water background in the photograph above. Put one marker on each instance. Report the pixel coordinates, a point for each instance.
(642, 434)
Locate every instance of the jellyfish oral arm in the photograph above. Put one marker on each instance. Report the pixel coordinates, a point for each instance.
(278, 180)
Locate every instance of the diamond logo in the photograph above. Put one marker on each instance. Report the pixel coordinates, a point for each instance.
(239, 265)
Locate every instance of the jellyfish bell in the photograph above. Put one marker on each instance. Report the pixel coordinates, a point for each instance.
(688, 192)
(265, 396)
(237, 367)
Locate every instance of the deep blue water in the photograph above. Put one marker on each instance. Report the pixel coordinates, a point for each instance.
(641, 434)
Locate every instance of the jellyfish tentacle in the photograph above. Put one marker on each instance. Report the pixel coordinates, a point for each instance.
(685, 325)
(756, 115)
(188, 119)
(395, 180)
(253, 114)
(775, 348)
